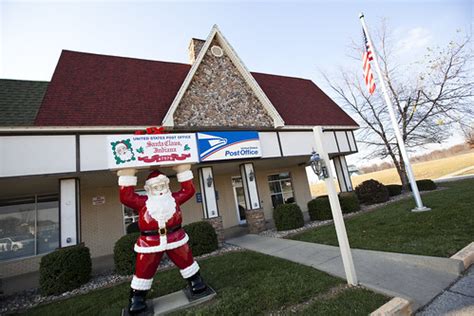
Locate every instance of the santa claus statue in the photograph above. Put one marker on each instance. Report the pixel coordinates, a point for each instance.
(160, 230)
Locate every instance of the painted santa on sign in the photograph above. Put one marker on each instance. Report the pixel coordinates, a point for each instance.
(160, 230)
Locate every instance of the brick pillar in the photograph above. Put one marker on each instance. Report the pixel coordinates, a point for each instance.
(216, 222)
(255, 220)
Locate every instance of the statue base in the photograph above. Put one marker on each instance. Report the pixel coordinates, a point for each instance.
(173, 302)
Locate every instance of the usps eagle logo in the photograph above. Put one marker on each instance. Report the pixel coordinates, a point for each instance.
(211, 144)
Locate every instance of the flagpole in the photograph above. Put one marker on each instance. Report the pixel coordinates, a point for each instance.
(401, 144)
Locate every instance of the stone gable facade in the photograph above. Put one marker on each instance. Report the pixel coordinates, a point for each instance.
(218, 96)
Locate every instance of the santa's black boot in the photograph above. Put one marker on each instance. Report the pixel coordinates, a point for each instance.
(137, 303)
(197, 284)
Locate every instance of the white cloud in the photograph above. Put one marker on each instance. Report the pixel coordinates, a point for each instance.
(414, 40)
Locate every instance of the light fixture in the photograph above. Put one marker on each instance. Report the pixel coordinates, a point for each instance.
(251, 176)
(209, 181)
(318, 165)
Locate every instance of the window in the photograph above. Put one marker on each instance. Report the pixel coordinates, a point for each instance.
(29, 226)
(281, 189)
(129, 214)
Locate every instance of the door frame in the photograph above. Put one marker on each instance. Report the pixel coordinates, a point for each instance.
(236, 201)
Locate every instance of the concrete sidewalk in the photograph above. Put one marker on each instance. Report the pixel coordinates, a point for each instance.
(458, 299)
(415, 278)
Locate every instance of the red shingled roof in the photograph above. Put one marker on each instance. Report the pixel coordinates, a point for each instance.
(99, 90)
(301, 102)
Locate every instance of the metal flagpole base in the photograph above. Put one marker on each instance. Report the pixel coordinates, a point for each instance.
(421, 209)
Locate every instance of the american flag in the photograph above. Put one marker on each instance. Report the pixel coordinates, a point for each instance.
(367, 57)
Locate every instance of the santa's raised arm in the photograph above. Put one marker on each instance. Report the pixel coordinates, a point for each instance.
(159, 221)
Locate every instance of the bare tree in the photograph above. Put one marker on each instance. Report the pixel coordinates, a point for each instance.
(431, 97)
(469, 135)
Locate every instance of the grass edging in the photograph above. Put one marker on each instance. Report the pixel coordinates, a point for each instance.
(396, 306)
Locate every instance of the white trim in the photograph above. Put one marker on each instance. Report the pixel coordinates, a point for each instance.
(127, 181)
(141, 284)
(70, 128)
(168, 121)
(310, 127)
(190, 271)
(164, 245)
(184, 176)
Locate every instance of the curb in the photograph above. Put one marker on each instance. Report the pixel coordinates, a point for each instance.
(450, 265)
(397, 306)
(466, 255)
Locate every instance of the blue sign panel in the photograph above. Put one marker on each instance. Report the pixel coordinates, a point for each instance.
(198, 197)
(228, 145)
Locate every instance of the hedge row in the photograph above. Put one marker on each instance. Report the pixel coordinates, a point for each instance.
(372, 192)
(288, 216)
(202, 237)
(320, 208)
(65, 269)
(394, 189)
(425, 185)
(368, 192)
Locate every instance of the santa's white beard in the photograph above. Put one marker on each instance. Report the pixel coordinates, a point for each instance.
(126, 156)
(161, 207)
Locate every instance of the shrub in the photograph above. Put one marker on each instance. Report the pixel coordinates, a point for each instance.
(133, 228)
(319, 209)
(349, 202)
(65, 269)
(425, 185)
(288, 216)
(394, 189)
(124, 255)
(372, 192)
(202, 237)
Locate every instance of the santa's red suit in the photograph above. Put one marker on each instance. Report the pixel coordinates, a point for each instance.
(160, 226)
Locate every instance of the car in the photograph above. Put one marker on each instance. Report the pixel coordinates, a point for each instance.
(10, 244)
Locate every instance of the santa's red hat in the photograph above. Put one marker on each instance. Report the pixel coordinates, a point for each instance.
(156, 176)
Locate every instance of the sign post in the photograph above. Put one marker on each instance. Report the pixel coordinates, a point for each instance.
(336, 210)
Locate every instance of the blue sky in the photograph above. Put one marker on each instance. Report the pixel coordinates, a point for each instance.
(294, 38)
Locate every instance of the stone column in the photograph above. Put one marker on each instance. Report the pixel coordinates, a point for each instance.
(255, 220)
(216, 222)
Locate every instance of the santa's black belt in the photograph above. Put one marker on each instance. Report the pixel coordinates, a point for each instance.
(161, 231)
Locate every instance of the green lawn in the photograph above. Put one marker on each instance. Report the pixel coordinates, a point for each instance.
(247, 283)
(441, 232)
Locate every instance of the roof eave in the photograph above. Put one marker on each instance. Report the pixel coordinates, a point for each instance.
(73, 129)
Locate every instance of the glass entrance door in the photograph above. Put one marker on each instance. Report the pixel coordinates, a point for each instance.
(239, 199)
